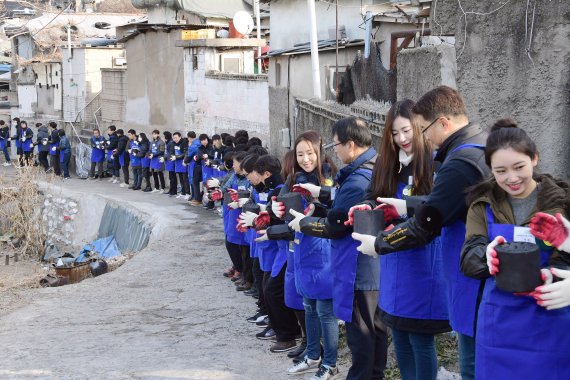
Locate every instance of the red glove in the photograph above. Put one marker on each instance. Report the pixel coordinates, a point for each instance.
(262, 220)
(240, 227)
(235, 197)
(390, 212)
(195, 158)
(216, 195)
(551, 229)
(301, 190)
(350, 220)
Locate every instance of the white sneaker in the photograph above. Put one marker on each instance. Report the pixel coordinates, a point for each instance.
(114, 180)
(307, 365)
(7, 164)
(155, 191)
(325, 373)
(186, 197)
(179, 196)
(124, 184)
(163, 191)
(111, 179)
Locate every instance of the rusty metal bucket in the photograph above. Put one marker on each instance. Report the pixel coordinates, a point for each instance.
(76, 273)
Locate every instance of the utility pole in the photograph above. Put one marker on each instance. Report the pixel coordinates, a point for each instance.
(314, 50)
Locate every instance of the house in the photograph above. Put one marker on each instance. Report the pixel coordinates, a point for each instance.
(370, 32)
(170, 85)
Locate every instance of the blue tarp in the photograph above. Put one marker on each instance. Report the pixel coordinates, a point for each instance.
(105, 248)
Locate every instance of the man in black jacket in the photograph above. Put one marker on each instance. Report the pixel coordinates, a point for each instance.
(443, 116)
(121, 156)
(43, 147)
(111, 147)
(53, 151)
(5, 141)
(202, 154)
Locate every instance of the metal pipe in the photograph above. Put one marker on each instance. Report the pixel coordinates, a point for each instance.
(258, 23)
(336, 54)
(368, 37)
(314, 50)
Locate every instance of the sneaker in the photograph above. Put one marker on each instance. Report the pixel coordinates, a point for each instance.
(148, 190)
(263, 323)
(196, 203)
(179, 196)
(111, 179)
(258, 317)
(115, 180)
(186, 197)
(283, 346)
(229, 273)
(325, 372)
(155, 191)
(236, 277)
(300, 350)
(244, 287)
(251, 292)
(304, 366)
(6, 164)
(266, 334)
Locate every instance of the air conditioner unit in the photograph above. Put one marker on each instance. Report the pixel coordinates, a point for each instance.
(231, 63)
(119, 61)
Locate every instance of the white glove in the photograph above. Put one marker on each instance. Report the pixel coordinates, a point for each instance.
(150, 155)
(247, 218)
(172, 158)
(161, 159)
(184, 163)
(214, 182)
(367, 246)
(313, 189)
(491, 254)
(262, 207)
(53, 149)
(128, 150)
(9, 139)
(263, 236)
(277, 209)
(295, 223)
(399, 204)
(204, 156)
(554, 295)
(242, 201)
(23, 139)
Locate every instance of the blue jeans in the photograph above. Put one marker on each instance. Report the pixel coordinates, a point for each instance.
(466, 356)
(6, 153)
(321, 322)
(65, 164)
(416, 354)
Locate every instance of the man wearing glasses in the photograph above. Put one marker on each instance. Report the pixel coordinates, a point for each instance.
(443, 116)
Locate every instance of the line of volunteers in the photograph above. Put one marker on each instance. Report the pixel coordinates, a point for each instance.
(451, 196)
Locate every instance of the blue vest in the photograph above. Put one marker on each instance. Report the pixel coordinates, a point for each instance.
(404, 273)
(135, 161)
(293, 299)
(267, 251)
(462, 291)
(98, 153)
(516, 338)
(155, 161)
(344, 257)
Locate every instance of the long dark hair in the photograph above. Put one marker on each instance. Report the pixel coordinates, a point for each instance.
(288, 164)
(314, 139)
(143, 137)
(387, 167)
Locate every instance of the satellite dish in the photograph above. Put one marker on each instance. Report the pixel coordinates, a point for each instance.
(243, 23)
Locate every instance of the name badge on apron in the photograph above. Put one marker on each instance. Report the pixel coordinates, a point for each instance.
(522, 234)
(263, 197)
(333, 193)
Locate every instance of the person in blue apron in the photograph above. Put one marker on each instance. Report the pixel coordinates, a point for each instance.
(25, 144)
(516, 337)
(112, 144)
(157, 149)
(197, 175)
(97, 154)
(442, 116)
(64, 148)
(42, 141)
(144, 145)
(356, 277)
(53, 152)
(414, 317)
(169, 164)
(238, 182)
(135, 156)
(180, 152)
(313, 275)
(193, 145)
(4, 140)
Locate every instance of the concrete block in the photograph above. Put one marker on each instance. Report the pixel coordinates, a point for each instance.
(424, 68)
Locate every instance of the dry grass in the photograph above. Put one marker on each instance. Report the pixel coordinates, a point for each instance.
(20, 212)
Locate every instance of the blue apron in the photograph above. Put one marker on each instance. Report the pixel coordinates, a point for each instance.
(462, 291)
(516, 338)
(122, 158)
(168, 165)
(2, 143)
(155, 161)
(403, 273)
(52, 151)
(179, 163)
(344, 257)
(97, 154)
(293, 299)
(234, 236)
(135, 161)
(267, 250)
(18, 141)
(28, 145)
(191, 171)
(207, 172)
(61, 154)
(313, 274)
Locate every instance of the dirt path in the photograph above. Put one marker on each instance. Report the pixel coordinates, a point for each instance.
(165, 314)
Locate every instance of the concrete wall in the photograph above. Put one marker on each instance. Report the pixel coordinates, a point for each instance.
(113, 97)
(155, 82)
(219, 102)
(27, 100)
(424, 68)
(49, 90)
(497, 78)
